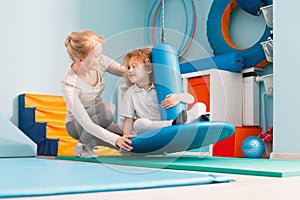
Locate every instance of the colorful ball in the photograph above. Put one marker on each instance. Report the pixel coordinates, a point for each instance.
(253, 147)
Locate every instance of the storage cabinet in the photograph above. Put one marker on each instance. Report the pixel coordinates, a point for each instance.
(220, 90)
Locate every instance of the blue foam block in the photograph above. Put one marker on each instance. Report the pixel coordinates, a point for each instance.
(230, 62)
(22, 177)
(13, 142)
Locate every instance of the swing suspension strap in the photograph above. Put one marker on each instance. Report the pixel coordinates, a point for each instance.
(163, 22)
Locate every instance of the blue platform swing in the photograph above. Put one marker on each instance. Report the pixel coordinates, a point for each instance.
(181, 137)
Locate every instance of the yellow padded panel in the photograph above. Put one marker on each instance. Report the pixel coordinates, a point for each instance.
(66, 146)
(41, 100)
(105, 151)
(56, 129)
(46, 114)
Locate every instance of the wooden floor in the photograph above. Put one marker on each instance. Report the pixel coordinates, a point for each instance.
(244, 188)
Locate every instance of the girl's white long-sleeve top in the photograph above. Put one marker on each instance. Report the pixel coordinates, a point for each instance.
(80, 96)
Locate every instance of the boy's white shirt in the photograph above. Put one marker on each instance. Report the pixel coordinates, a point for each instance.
(139, 103)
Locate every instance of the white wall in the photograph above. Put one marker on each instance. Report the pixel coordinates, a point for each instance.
(286, 76)
(32, 41)
(32, 51)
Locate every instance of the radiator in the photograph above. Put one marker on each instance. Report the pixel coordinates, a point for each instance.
(250, 102)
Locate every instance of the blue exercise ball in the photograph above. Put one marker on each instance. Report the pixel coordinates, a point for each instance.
(253, 147)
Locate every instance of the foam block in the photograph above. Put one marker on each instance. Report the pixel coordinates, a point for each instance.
(230, 62)
(13, 142)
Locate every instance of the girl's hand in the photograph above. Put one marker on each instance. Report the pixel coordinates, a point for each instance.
(170, 101)
(124, 141)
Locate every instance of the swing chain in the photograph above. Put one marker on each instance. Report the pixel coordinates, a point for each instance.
(163, 22)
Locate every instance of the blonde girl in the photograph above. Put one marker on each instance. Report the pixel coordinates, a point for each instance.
(89, 120)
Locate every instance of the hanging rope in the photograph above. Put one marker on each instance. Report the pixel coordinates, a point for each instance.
(157, 11)
(163, 22)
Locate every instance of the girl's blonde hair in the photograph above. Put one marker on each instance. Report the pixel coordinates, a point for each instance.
(142, 56)
(81, 43)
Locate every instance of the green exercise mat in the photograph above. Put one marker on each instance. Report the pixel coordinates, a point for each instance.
(246, 166)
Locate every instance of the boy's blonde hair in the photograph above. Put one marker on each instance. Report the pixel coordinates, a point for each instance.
(142, 56)
(81, 43)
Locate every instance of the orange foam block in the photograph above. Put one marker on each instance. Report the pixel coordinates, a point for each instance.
(232, 146)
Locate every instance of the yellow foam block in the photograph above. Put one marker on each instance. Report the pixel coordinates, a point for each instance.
(105, 151)
(56, 129)
(66, 146)
(40, 100)
(46, 114)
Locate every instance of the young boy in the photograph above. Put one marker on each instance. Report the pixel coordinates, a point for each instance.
(139, 105)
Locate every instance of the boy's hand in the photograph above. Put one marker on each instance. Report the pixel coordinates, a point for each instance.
(170, 101)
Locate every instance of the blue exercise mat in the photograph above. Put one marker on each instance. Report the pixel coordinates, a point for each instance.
(21, 177)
